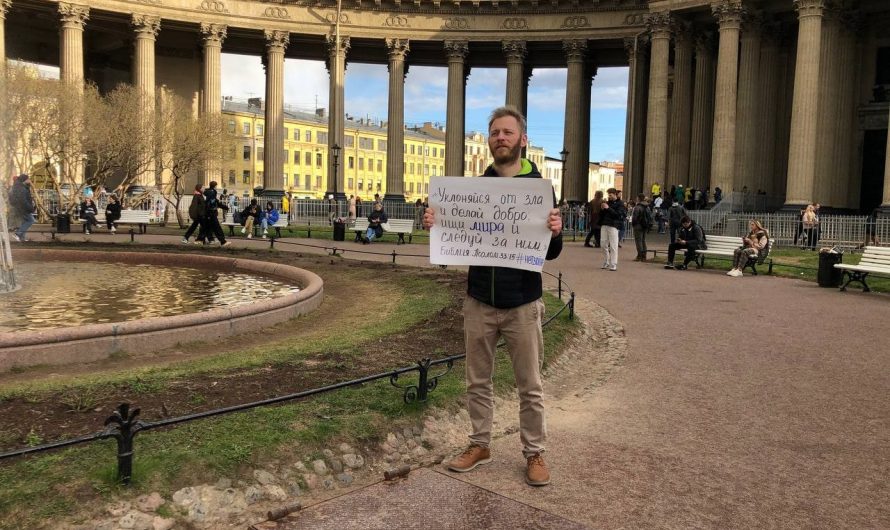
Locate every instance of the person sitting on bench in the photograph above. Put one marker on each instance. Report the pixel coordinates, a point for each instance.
(753, 245)
(88, 212)
(691, 238)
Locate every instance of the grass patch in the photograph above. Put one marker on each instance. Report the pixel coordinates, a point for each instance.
(44, 487)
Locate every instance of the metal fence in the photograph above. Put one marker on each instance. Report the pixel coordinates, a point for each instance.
(845, 231)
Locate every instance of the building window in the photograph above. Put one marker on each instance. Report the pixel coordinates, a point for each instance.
(246, 152)
(348, 141)
(426, 151)
(308, 136)
(380, 165)
(361, 184)
(296, 180)
(318, 182)
(286, 157)
(426, 169)
(441, 170)
(297, 134)
(296, 158)
(245, 177)
(352, 162)
(307, 159)
(318, 160)
(412, 149)
(260, 153)
(411, 168)
(231, 176)
(260, 130)
(426, 187)
(259, 176)
(349, 182)
(284, 180)
(307, 181)
(365, 143)
(361, 163)
(245, 128)
(379, 186)
(322, 137)
(410, 187)
(232, 126)
(381, 145)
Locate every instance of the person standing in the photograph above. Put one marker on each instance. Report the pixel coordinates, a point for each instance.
(594, 208)
(351, 207)
(23, 206)
(808, 221)
(612, 219)
(211, 215)
(641, 221)
(503, 301)
(285, 206)
(676, 213)
(197, 213)
(112, 213)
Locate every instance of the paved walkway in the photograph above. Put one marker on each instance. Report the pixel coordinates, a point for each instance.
(742, 403)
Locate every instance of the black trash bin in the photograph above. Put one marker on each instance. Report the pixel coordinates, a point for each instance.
(63, 223)
(829, 276)
(339, 231)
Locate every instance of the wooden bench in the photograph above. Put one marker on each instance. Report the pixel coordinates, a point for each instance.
(229, 220)
(393, 226)
(874, 260)
(141, 218)
(723, 247)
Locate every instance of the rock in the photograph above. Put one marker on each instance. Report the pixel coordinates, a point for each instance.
(392, 457)
(135, 520)
(160, 523)
(149, 503)
(353, 461)
(264, 477)
(419, 451)
(328, 483)
(311, 480)
(223, 484)
(185, 497)
(392, 440)
(345, 448)
(327, 453)
(336, 465)
(118, 509)
(253, 495)
(345, 478)
(387, 448)
(275, 493)
(416, 430)
(301, 467)
(407, 433)
(293, 488)
(319, 467)
(429, 424)
(400, 437)
(411, 444)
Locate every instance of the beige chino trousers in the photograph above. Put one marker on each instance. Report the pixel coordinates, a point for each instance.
(521, 328)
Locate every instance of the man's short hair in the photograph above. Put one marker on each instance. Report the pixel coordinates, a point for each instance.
(612, 190)
(641, 197)
(685, 220)
(508, 110)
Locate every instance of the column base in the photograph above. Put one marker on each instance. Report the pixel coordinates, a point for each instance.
(793, 207)
(271, 194)
(393, 197)
(338, 195)
(884, 210)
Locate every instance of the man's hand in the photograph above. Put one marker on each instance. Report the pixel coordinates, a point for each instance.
(429, 218)
(554, 222)
(605, 205)
(681, 241)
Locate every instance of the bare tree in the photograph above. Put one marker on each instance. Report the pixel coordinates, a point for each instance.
(188, 146)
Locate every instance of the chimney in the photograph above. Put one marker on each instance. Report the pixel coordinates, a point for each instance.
(255, 103)
(319, 113)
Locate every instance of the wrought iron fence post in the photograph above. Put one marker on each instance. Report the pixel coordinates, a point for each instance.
(272, 242)
(132, 236)
(560, 284)
(309, 229)
(422, 390)
(572, 306)
(393, 257)
(126, 427)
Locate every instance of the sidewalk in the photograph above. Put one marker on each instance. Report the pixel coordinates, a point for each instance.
(742, 403)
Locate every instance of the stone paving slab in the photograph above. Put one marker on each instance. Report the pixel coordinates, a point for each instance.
(424, 499)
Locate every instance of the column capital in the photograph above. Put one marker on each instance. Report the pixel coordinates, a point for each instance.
(397, 48)
(752, 23)
(457, 50)
(74, 14)
(4, 7)
(635, 48)
(146, 25)
(333, 49)
(515, 50)
(575, 49)
(276, 40)
(214, 34)
(659, 24)
(683, 32)
(809, 8)
(728, 13)
(704, 42)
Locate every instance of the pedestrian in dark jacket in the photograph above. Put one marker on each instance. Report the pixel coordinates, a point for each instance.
(612, 218)
(690, 237)
(594, 207)
(503, 301)
(197, 213)
(88, 212)
(375, 223)
(23, 207)
(112, 213)
(641, 221)
(250, 216)
(211, 214)
(676, 213)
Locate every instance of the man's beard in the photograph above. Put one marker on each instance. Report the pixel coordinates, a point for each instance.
(510, 157)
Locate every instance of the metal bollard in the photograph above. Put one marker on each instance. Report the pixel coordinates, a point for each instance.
(572, 306)
(271, 242)
(132, 236)
(560, 285)
(397, 472)
(126, 429)
(309, 230)
(393, 257)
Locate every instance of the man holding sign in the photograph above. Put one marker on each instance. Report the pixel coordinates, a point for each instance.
(500, 223)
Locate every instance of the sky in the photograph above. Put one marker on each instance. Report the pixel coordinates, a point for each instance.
(306, 86)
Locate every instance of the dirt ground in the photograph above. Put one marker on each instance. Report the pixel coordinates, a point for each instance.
(348, 295)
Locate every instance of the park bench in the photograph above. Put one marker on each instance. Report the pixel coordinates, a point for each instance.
(393, 226)
(229, 220)
(874, 260)
(723, 247)
(141, 218)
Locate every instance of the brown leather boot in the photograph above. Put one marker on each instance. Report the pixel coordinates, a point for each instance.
(537, 473)
(475, 455)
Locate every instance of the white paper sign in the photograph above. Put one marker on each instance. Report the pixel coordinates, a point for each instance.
(490, 221)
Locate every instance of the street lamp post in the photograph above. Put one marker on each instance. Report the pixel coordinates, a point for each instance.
(335, 153)
(562, 183)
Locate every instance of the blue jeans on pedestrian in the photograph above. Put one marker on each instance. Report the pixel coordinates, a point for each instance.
(28, 219)
(370, 234)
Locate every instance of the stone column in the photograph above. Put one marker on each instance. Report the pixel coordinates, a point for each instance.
(828, 168)
(574, 187)
(767, 120)
(395, 129)
(273, 155)
(515, 51)
(630, 48)
(146, 28)
(213, 35)
(729, 16)
(885, 204)
(851, 26)
(637, 95)
(4, 159)
(74, 17)
(456, 51)
(681, 108)
(336, 102)
(586, 93)
(702, 112)
(748, 108)
(659, 25)
(804, 114)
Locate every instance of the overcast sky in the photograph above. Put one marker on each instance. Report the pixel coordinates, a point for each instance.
(306, 84)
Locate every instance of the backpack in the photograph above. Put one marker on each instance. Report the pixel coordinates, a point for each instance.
(646, 218)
